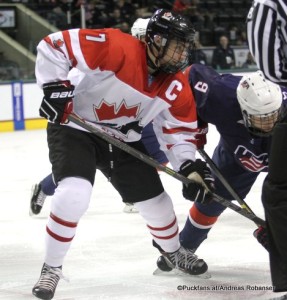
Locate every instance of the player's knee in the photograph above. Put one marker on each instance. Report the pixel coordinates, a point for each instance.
(71, 198)
(159, 207)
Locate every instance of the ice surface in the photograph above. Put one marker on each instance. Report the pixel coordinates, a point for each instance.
(111, 256)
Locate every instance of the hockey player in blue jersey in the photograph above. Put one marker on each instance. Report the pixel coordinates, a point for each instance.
(244, 111)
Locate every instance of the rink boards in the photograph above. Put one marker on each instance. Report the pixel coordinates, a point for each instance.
(19, 106)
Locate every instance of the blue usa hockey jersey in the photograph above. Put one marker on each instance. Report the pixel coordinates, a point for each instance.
(216, 101)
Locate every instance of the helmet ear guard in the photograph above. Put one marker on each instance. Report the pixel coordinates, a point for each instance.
(261, 103)
(169, 26)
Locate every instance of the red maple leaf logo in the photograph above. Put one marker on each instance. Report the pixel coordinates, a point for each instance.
(58, 43)
(106, 111)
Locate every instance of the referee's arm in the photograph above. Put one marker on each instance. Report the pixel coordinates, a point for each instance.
(267, 38)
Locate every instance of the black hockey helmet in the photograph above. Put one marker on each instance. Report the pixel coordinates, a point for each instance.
(170, 26)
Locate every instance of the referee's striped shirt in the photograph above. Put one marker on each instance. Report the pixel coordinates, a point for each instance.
(267, 37)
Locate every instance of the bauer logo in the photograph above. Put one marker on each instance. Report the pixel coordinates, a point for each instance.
(62, 95)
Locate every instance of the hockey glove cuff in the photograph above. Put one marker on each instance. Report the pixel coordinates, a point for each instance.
(201, 137)
(201, 133)
(202, 187)
(57, 102)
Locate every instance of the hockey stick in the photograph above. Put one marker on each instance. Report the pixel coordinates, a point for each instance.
(226, 184)
(150, 161)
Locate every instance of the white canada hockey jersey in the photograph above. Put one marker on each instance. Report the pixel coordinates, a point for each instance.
(109, 71)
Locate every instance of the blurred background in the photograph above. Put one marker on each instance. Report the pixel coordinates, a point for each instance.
(24, 23)
(221, 40)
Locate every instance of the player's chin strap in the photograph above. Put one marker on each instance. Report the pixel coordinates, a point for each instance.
(152, 162)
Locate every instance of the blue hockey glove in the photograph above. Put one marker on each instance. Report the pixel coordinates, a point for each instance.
(262, 237)
(202, 187)
(57, 102)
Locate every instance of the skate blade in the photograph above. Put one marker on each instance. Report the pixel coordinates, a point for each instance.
(130, 210)
(31, 214)
(178, 273)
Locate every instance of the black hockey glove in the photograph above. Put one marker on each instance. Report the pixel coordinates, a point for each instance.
(262, 237)
(57, 102)
(201, 188)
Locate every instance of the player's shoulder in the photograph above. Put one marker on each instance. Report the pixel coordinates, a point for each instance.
(108, 48)
(205, 71)
(100, 32)
(106, 36)
(181, 76)
(182, 80)
(175, 81)
(124, 41)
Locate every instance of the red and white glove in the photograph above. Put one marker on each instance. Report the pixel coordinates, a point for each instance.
(57, 102)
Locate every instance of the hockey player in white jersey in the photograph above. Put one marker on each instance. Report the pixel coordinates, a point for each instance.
(120, 85)
(46, 187)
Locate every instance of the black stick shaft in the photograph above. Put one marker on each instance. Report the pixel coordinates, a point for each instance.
(125, 147)
(226, 184)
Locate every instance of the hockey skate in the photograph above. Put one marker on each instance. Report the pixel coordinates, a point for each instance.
(130, 208)
(46, 286)
(181, 262)
(37, 200)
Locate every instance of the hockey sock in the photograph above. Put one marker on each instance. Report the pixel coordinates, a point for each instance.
(48, 186)
(196, 228)
(161, 221)
(69, 203)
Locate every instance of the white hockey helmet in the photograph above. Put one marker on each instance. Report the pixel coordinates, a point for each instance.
(260, 101)
(138, 29)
